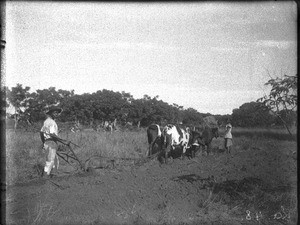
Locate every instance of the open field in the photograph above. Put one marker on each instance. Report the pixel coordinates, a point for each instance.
(256, 184)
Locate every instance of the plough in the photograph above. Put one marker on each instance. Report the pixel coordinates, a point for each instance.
(94, 162)
(69, 156)
(66, 155)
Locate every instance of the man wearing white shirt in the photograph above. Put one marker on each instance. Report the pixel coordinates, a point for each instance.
(50, 144)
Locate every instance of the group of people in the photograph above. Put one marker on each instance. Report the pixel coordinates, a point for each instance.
(49, 136)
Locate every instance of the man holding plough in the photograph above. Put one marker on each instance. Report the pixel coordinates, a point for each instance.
(49, 136)
(50, 139)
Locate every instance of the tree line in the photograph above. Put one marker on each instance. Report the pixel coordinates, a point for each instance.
(89, 109)
(276, 108)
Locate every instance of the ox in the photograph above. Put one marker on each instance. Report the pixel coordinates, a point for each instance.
(195, 142)
(208, 134)
(154, 135)
(174, 136)
(202, 139)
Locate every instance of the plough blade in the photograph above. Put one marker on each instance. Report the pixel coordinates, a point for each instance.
(66, 155)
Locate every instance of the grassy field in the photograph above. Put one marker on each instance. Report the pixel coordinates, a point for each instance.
(258, 179)
(276, 134)
(24, 149)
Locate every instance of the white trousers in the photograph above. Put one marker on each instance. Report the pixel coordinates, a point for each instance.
(51, 148)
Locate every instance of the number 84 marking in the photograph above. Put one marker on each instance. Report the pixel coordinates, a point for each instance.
(257, 215)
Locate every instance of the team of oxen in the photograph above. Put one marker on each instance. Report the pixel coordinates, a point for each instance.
(178, 139)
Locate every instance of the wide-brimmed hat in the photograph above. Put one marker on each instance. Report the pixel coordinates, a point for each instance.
(54, 109)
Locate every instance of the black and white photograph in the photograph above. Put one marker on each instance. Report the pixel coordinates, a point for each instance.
(149, 113)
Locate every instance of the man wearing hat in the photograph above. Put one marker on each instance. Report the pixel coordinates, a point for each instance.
(228, 137)
(50, 144)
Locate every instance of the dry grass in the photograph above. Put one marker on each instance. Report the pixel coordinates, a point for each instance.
(278, 134)
(42, 213)
(24, 152)
(257, 154)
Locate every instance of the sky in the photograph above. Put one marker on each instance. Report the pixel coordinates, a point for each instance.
(209, 56)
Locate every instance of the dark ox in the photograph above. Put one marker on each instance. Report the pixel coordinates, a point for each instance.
(194, 143)
(174, 137)
(202, 139)
(154, 135)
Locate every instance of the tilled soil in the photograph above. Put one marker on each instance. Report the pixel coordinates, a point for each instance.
(214, 189)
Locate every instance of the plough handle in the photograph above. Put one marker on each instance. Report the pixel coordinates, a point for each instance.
(75, 156)
(56, 138)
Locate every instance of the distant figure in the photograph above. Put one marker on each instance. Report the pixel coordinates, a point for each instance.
(48, 133)
(108, 126)
(114, 124)
(228, 137)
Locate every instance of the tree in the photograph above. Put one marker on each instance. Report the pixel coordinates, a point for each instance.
(252, 114)
(178, 113)
(18, 97)
(223, 119)
(192, 117)
(37, 102)
(110, 105)
(144, 111)
(77, 108)
(282, 99)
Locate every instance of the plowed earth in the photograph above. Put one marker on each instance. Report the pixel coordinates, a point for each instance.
(247, 187)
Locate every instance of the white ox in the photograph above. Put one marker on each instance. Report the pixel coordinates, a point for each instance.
(175, 136)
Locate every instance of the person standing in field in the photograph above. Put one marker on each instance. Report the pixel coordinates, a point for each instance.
(48, 133)
(228, 137)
